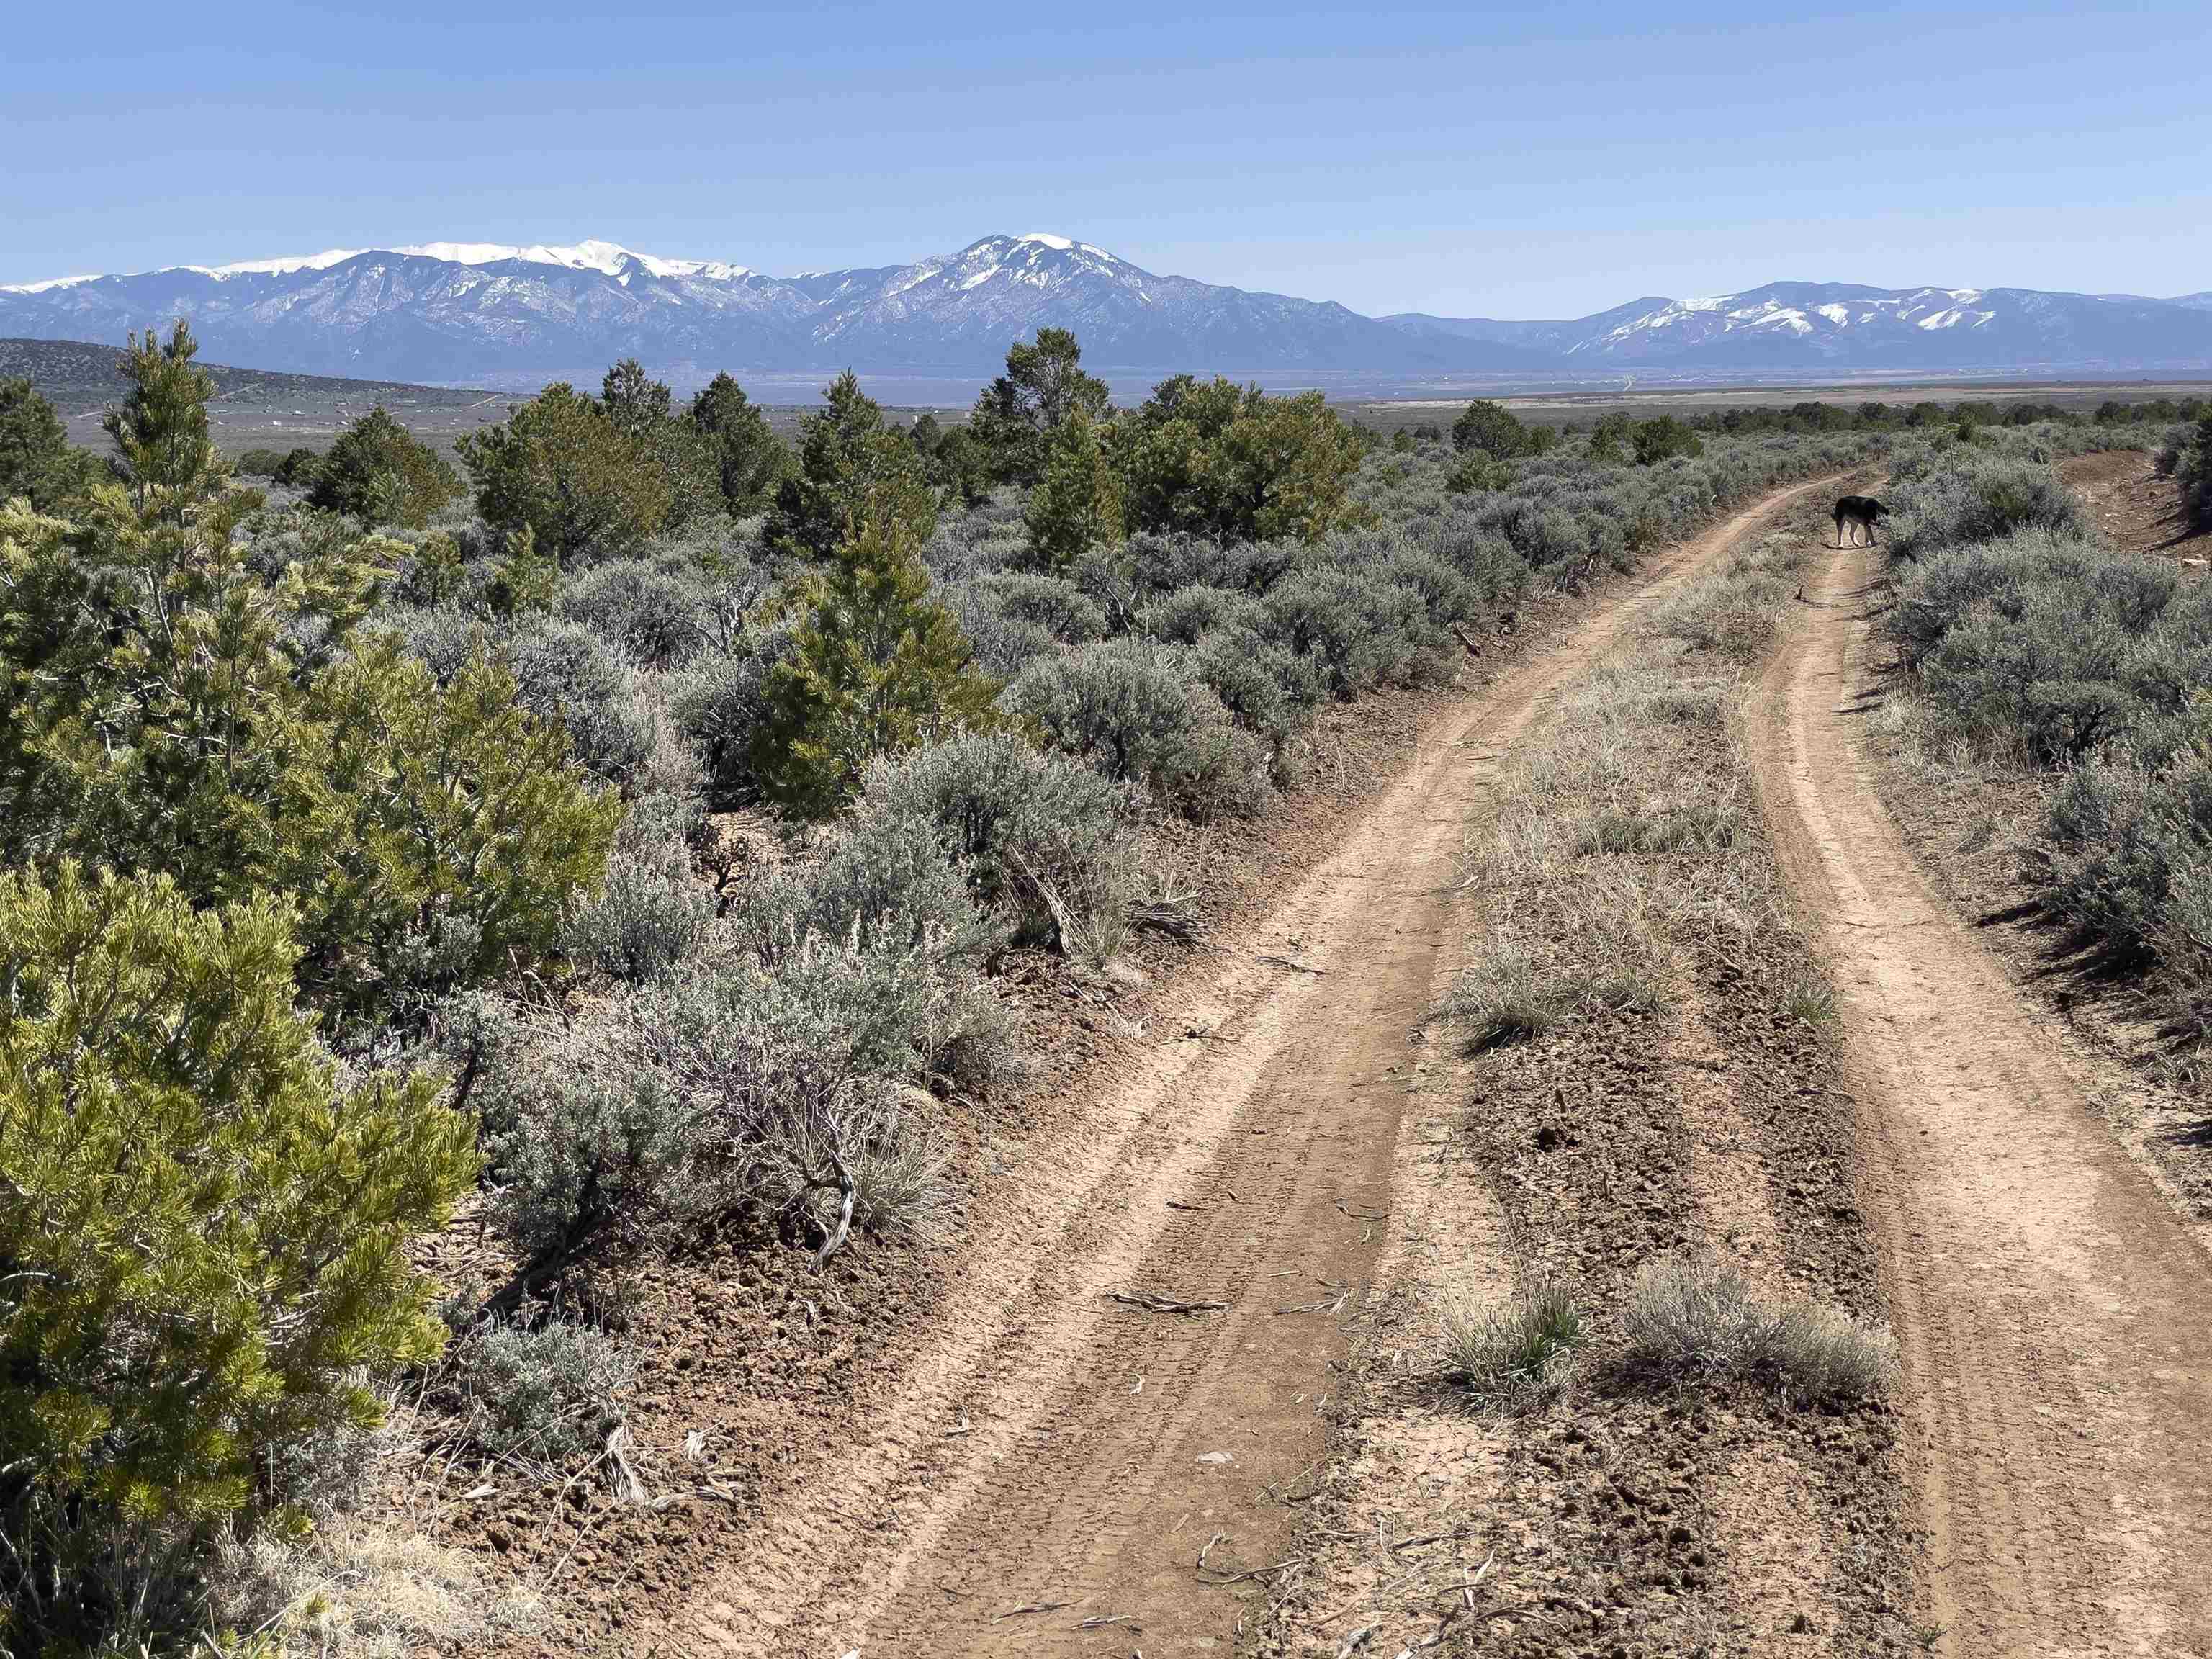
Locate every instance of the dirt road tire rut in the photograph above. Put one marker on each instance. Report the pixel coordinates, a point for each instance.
(2055, 1312)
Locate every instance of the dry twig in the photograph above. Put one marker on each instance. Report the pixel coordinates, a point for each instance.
(1030, 1606)
(1167, 1305)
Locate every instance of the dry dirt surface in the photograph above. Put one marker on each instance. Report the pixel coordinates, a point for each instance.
(2135, 509)
(1136, 1357)
(2054, 1311)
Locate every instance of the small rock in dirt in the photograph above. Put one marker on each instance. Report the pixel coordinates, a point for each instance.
(1215, 1457)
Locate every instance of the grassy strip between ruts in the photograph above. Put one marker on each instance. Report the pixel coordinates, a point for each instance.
(1675, 1435)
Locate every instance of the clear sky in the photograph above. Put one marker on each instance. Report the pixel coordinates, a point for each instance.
(1515, 161)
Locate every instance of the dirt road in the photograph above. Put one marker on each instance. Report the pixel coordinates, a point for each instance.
(1058, 1456)
(2056, 1315)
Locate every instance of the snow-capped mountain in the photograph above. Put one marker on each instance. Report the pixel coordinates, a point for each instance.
(471, 312)
(1816, 326)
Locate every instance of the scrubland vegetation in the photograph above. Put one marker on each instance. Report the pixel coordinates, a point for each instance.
(626, 837)
(2028, 647)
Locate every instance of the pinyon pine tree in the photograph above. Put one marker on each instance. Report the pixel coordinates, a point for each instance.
(202, 1243)
(876, 666)
(852, 469)
(1076, 504)
(160, 429)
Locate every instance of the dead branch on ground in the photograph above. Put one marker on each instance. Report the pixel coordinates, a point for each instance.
(1167, 1305)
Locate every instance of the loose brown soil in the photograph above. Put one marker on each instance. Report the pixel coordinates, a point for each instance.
(2135, 509)
(2053, 1308)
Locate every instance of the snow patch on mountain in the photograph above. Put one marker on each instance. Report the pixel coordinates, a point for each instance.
(323, 261)
(48, 285)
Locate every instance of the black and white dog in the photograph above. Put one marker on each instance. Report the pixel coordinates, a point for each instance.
(1857, 513)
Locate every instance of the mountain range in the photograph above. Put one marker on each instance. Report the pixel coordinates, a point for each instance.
(492, 314)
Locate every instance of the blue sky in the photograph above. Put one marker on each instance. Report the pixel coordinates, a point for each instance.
(1539, 161)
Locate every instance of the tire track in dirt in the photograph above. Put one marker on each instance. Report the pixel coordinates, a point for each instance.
(1053, 1449)
(2055, 1314)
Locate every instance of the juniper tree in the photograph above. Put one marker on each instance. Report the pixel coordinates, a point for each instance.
(852, 470)
(1076, 504)
(561, 465)
(378, 471)
(1229, 462)
(1657, 440)
(1044, 386)
(643, 410)
(38, 462)
(1491, 427)
(749, 458)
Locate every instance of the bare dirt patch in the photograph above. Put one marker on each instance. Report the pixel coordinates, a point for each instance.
(2135, 509)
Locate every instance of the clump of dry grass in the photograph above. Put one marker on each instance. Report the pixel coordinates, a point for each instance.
(1627, 830)
(1689, 1319)
(1518, 1353)
(362, 1590)
(1808, 997)
(1732, 611)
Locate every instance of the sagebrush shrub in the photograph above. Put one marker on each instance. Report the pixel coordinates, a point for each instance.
(1038, 836)
(653, 910)
(719, 700)
(1186, 616)
(1364, 629)
(2117, 838)
(1268, 690)
(1978, 500)
(1054, 603)
(1139, 716)
(2002, 573)
(581, 1144)
(655, 617)
(566, 673)
(549, 1394)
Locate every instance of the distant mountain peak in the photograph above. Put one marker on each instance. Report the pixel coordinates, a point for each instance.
(608, 258)
(503, 313)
